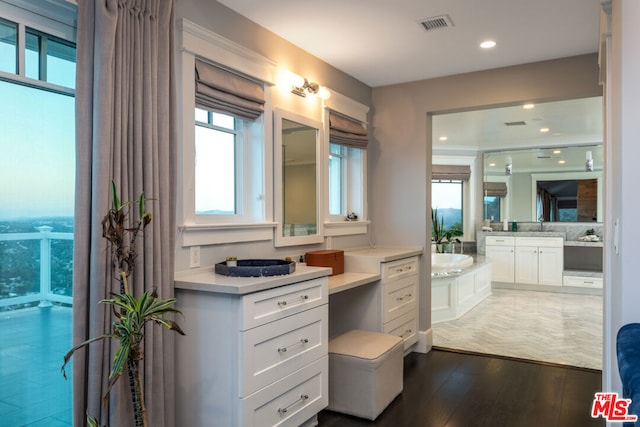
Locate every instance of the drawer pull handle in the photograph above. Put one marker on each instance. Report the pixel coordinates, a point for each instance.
(301, 297)
(403, 297)
(398, 270)
(303, 341)
(588, 282)
(303, 397)
(408, 331)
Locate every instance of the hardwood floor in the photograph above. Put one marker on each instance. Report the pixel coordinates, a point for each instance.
(451, 388)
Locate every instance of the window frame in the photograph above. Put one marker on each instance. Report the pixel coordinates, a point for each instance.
(356, 174)
(256, 223)
(470, 190)
(62, 28)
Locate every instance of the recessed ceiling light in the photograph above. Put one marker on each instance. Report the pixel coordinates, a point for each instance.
(544, 130)
(443, 138)
(557, 151)
(488, 44)
(493, 165)
(561, 162)
(528, 106)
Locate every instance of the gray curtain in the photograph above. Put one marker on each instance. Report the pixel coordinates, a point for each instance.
(125, 131)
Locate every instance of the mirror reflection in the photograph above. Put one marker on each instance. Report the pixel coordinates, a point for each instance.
(557, 184)
(299, 201)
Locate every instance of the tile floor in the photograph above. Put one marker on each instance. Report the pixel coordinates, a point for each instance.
(544, 326)
(33, 391)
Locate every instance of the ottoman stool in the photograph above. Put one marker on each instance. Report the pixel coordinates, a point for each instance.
(365, 372)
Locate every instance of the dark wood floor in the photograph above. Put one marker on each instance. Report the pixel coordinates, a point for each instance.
(448, 388)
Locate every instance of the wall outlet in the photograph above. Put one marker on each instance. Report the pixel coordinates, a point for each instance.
(194, 256)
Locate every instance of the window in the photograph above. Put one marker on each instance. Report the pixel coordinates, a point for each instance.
(447, 196)
(346, 177)
(49, 59)
(37, 77)
(217, 145)
(492, 208)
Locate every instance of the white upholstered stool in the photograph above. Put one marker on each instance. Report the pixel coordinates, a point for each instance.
(365, 372)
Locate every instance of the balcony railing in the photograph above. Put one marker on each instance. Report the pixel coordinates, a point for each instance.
(45, 296)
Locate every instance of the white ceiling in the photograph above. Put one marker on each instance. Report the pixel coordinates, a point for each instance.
(571, 122)
(381, 42)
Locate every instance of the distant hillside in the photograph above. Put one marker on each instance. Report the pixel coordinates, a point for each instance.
(451, 216)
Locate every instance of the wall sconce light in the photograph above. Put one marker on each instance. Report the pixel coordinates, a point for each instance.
(589, 163)
(301, 86)
(508, 167)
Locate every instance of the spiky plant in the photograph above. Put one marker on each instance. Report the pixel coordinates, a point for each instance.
(131, 313)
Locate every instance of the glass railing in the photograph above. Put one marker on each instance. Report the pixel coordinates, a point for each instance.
(35, 268)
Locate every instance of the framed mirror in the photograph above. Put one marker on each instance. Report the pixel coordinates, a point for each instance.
(554, 184)
(297, 179)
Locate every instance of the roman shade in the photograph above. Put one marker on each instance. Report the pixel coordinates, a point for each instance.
(495, 189)
(226, 92)
(347, 131)
(450, 172)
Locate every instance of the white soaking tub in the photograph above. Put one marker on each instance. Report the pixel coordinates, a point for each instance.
(444, 264)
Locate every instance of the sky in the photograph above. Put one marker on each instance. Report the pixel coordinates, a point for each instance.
(37, 152)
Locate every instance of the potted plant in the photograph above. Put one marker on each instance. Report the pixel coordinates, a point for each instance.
(131, 313)
(443, 238)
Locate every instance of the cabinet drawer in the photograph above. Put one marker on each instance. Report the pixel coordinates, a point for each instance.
(400, 268)
(542, 242)
(275, 350)
(273, 304)
(289, 402)
(400, 297)
(582, 281)
(499, 241)
(405, 327)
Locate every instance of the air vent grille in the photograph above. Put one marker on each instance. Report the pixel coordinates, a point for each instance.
(519, 123)
(435, 22)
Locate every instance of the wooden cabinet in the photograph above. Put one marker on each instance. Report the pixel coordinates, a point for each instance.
(539, 260)
(500, 252)
(255, 359)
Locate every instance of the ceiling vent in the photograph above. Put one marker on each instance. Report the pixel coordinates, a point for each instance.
(519, 123)
(435, 22)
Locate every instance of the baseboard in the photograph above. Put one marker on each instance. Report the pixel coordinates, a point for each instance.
(425, 341)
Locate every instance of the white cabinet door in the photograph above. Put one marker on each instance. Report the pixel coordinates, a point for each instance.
(502, 258)
(550, 266)
(526, 265)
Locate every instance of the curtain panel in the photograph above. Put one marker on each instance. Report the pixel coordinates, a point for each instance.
(125, 131)
(225, 92)
(347, 131)
(451, 172)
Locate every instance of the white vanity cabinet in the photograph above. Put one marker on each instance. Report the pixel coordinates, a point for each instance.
(252, 358)
(539, 260)
(391, 305)
(399, 301)
(500, 251)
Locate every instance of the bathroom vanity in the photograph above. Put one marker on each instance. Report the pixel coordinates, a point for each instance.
(385, 300)
(547, 259)
(256, 348)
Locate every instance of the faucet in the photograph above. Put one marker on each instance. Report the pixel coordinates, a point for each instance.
(461, 245)
(541, 219)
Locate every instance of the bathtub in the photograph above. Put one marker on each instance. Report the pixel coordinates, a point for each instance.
(445, 264)
(457, 285)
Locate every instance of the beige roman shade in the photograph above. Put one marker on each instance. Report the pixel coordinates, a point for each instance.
(450, 172)
(347, 131)
(495, 189)
(229, 93)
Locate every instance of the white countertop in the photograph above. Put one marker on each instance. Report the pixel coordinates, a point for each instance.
(384, 254)
(206, 280)
(349, 280)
